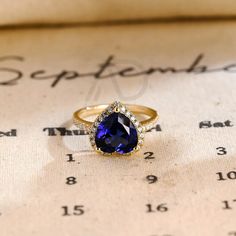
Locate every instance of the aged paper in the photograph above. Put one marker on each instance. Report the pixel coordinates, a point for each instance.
(83, 11)
(52, 183)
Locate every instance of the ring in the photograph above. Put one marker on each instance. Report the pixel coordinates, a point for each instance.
(116, 129)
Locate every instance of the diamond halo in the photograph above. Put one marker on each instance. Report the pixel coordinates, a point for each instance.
(117, 107)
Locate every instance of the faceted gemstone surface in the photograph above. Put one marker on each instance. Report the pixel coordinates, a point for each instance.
(116, 133)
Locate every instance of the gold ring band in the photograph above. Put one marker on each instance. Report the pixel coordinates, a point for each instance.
(116, 128)
(80, 115)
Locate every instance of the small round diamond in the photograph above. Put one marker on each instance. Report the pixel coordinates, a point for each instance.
(123, 109)
(128, 114)
(140, 129)
(100, 118)
(140, 141)
(132, 118)
(141, 135)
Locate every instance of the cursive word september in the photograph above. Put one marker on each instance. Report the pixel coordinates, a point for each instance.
(107, 69)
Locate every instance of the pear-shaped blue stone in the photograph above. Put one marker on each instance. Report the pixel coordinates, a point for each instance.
(116, 133)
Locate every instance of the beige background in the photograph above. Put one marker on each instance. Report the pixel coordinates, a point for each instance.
(114, 191)
(80, 11)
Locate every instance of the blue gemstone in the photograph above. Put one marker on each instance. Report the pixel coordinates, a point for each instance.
(116, 133)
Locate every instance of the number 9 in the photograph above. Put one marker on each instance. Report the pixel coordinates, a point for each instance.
(151, 179)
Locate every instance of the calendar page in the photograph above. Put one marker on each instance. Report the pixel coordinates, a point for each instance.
(183, 180)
